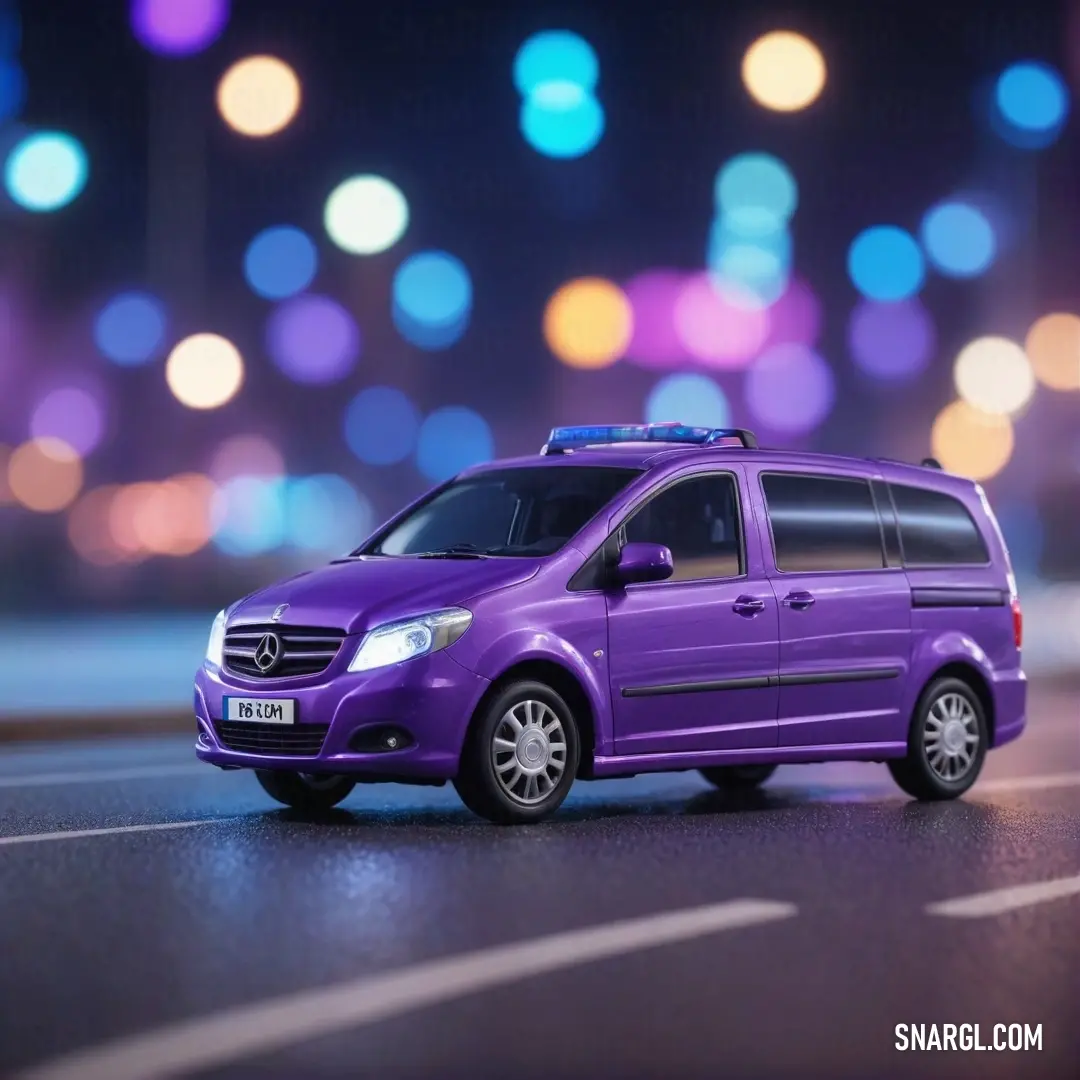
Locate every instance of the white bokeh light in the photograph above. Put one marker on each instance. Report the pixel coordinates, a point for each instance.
(994, 375)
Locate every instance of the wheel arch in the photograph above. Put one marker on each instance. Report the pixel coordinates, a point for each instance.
(968, 672)
(566, 684)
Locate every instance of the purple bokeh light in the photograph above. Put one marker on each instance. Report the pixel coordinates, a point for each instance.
(715, 327)
(72, 414)
(178, 27)
(655, 342)
(891, 342)
(313, 339)
(796, 317)
(790, 389)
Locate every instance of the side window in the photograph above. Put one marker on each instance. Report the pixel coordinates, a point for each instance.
(936, 529)
(698, 519)
(822, 523)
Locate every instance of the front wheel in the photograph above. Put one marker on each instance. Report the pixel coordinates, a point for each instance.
(946, 744)
(737, 777)
(309, 793)
(520, 756)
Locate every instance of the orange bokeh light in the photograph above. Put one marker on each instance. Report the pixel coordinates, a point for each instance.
(1053, 347)
(45, 475)
(588, 323)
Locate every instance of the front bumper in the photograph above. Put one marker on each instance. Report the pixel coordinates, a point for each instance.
(431, 697)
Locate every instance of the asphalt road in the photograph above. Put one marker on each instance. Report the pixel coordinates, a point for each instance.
(303, 949)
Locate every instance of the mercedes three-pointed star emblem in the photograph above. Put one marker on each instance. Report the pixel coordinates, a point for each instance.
(268, 653)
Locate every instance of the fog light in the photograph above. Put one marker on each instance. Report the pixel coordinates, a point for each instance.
(391, 742)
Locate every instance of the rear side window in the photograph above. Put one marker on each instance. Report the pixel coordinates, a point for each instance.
(822, 523)
(936, 529)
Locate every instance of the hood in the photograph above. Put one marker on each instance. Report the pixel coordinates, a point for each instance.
(360, 593)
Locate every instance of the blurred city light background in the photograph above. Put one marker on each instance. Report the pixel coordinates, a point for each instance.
(268, 271)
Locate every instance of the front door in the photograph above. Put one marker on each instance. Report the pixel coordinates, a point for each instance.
(694, 660)
(845, 618)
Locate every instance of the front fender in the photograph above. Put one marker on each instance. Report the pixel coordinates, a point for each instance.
(577, 657)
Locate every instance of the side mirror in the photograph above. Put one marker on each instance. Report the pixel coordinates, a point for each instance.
(644, 562)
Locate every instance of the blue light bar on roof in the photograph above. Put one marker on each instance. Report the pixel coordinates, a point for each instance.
(570, 438)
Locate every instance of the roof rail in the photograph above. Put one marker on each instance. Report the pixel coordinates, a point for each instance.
(564, 440)
(926, 463)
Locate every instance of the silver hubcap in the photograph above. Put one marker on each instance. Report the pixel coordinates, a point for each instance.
(529, 752)
(951, 736)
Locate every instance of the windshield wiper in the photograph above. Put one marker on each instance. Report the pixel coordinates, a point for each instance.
(455, 551)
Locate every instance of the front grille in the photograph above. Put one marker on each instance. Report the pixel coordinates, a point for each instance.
(304, 650)
(288, 740)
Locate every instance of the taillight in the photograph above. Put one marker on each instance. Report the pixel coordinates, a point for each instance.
(1018, 622)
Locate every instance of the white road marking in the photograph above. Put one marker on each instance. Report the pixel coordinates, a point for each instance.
(999, 901)
(103, 776)
(233, 1034)
(84, 834)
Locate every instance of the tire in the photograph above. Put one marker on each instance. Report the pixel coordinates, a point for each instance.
(737, 777)
(497, 779)
(947, 743)
(308, 793)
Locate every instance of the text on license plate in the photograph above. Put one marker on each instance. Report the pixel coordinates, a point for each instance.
(260, 710)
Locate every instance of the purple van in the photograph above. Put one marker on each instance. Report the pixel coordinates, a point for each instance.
(634, 599)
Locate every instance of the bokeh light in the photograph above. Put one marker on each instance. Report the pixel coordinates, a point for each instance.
(451, 439)
(994, 375)
(46, 171)
(130, 329)
(560, 120)
(126, 508)
(365, 215)
(204, 371)
(796, 317)
(555, 56)
(753, 263)
(715, 328)
(958, 239)
(688, 399)
(790, 389)
(783, 71)
(432, 299)
(313, 339)
(12, 89)
(71, 414)
(248, 514)
(970, 442)
(892, 342)
(89, 530)
(258, 96)
(654, 341)
(1053, 347)
(174, 517)
(1032, 97)
(885, 263)
(326, 514)
(280, 262)
(246, 455)
(756, 192)
(588, 323)
(45, 475)
(178, 27)
(381, 425)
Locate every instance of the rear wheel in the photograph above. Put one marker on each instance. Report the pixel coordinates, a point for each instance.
(946, 744)
(520, 756)
(737, 777)
(307, 792)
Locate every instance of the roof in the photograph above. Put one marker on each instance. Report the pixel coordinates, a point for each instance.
(648, 456)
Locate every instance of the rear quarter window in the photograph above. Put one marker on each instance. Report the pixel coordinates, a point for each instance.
(937, 529)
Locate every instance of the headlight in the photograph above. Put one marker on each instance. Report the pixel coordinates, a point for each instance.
(215, 647)
(397, 641)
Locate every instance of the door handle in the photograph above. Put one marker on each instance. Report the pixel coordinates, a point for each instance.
(748, 605)
(799, 600)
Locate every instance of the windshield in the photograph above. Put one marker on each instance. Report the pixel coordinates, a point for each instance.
(510, 512)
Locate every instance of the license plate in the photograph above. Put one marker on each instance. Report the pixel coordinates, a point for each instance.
(260, 710)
